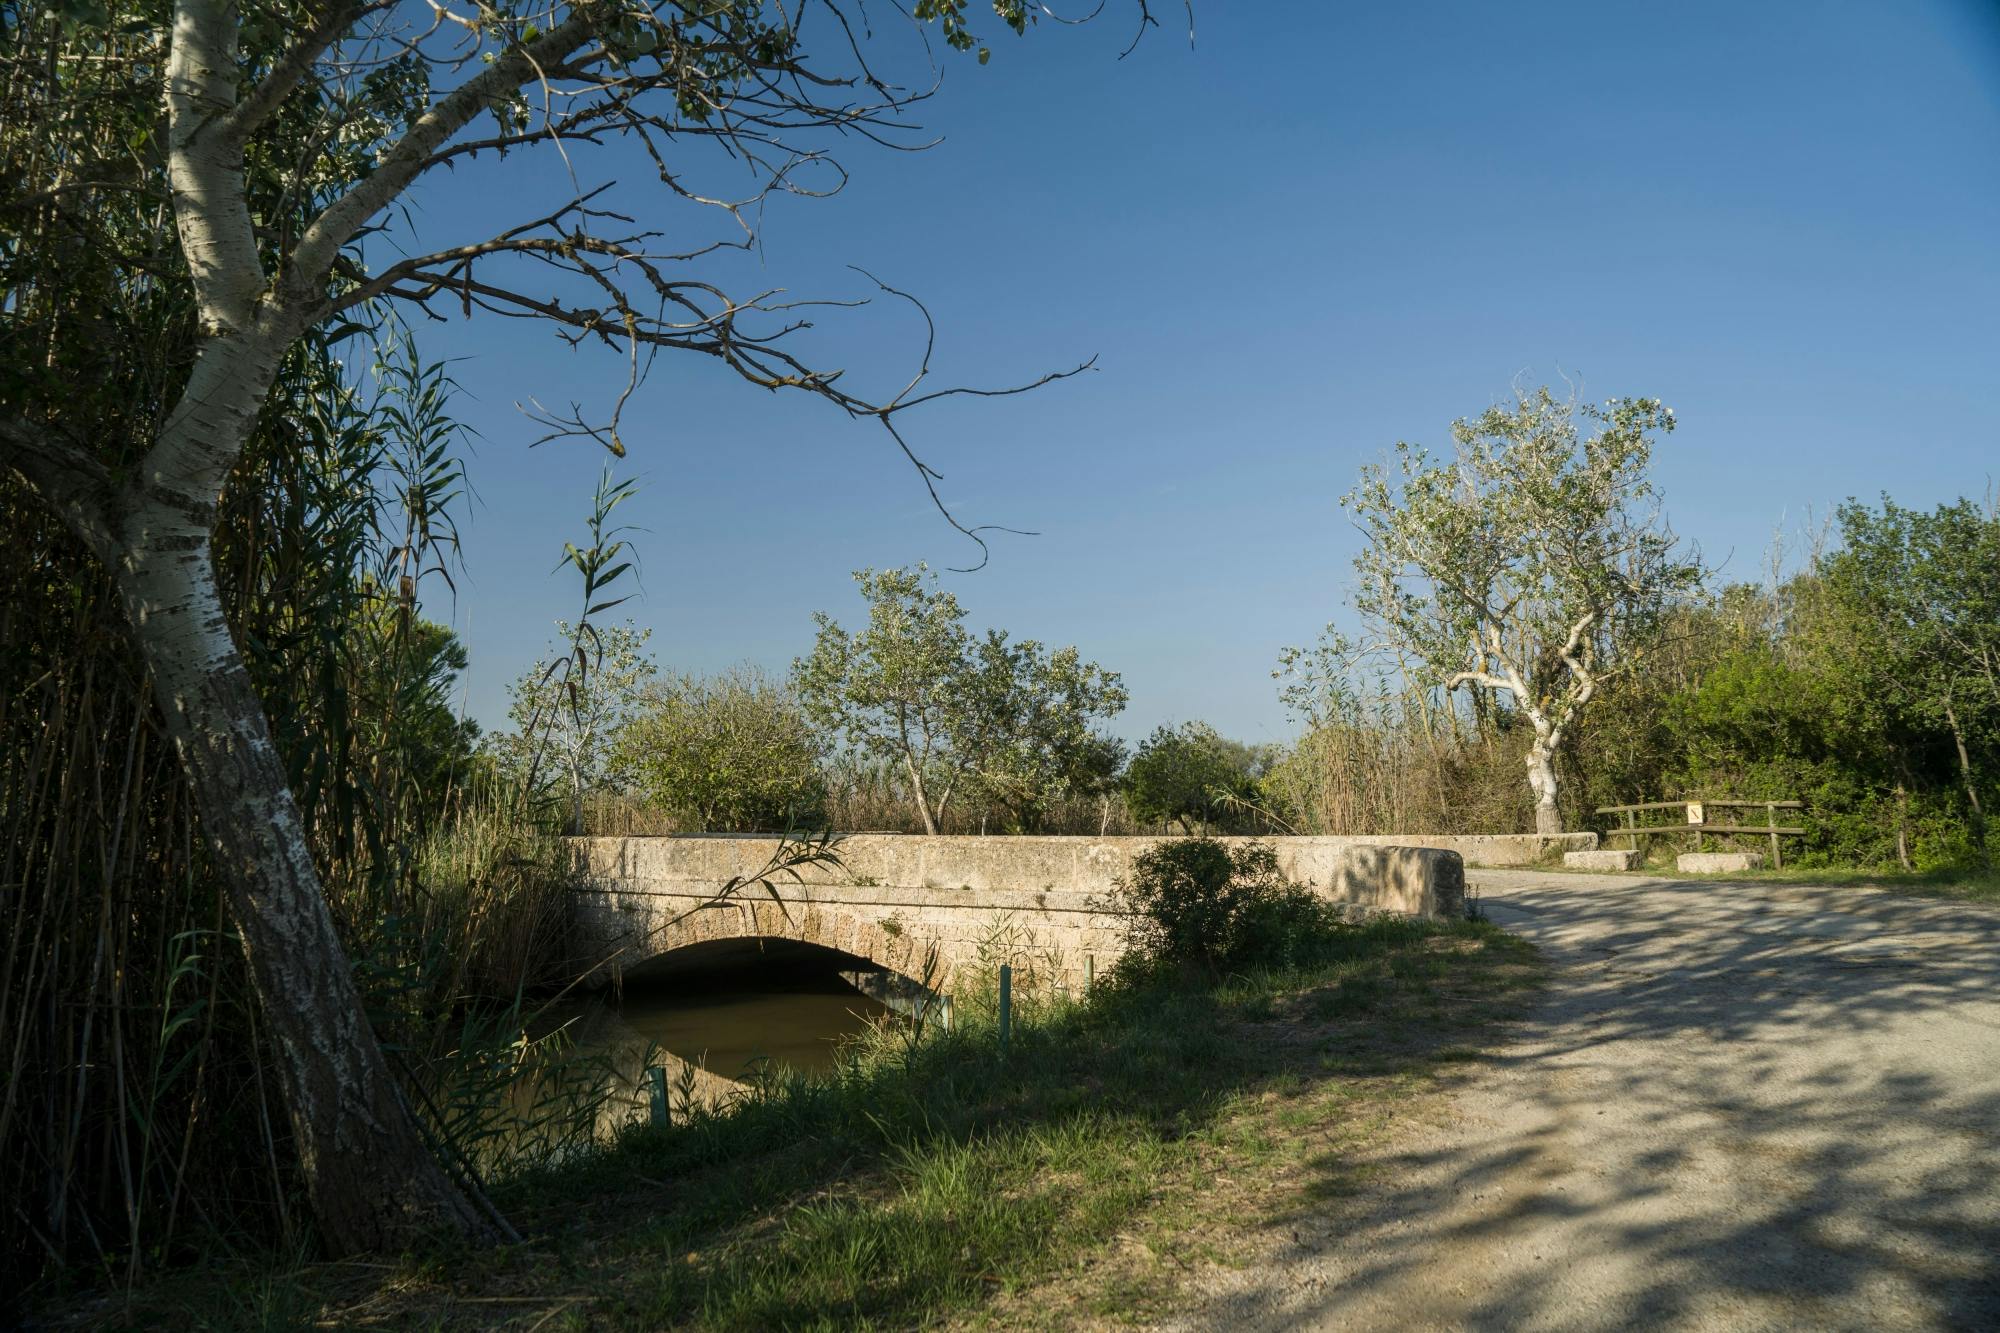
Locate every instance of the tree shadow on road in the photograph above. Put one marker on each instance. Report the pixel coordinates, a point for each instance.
(1732, 1109)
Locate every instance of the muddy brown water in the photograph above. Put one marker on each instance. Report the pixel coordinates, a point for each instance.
(796, 1022)
(712, 1024)
(711, 1020)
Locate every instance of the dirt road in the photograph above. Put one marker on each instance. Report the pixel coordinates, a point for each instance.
(1737, 1107)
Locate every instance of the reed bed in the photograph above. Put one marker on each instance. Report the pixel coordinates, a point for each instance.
(138, 1127)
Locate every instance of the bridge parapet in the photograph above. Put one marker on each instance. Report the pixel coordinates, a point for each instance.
(962, 902)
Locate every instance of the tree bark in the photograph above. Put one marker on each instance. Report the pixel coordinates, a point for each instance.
(1902, 827)
(373, 1182)
(1978, 820)
(911, 767)
(1542, 782)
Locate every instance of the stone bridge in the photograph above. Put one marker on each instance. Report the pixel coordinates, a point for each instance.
(927, 909)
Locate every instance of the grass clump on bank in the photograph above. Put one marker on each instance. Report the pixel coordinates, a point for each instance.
(930, 1177)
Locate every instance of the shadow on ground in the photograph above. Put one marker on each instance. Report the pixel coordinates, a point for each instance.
(1737, 1106)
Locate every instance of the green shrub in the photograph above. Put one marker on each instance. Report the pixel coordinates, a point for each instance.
(1195, 903)
(733, 753)
(1283, 925)
(1193, 776)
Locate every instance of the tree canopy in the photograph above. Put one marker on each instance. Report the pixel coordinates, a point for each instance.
(1192, 775)
(1927, 587)
(731, 753)
(1528, 563)
(1011, 719)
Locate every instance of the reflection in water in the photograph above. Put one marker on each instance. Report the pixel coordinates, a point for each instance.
(706, 1022)
(794, 1020)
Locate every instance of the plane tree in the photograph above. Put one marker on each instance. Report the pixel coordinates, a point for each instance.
(198, 182)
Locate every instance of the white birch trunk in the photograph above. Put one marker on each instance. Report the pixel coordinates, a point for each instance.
(372, 1181)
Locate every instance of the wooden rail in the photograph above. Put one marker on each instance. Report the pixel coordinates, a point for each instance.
(1696, 812)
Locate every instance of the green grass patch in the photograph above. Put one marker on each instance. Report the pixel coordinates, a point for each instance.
(1123, 1137)
(1954, 883)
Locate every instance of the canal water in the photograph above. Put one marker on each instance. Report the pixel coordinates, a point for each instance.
(723, 1020)
(711, 1024)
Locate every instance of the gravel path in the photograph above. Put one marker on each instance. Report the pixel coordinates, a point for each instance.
(1736, 1107)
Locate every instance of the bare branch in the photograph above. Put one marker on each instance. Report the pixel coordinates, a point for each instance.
(284, 76)
(337, 224)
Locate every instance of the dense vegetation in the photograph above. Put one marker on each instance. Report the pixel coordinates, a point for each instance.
(1862, 683)
(195, 207)
(134, 1054)
(1524, 611)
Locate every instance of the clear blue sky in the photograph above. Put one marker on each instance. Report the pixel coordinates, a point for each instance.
(1299, 241)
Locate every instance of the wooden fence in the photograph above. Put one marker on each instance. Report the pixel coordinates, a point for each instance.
(1696, 822)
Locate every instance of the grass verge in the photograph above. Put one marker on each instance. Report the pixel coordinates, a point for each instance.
(1121, 1141)
(1953, 883)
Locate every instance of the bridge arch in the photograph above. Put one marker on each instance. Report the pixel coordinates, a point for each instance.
(880, 943)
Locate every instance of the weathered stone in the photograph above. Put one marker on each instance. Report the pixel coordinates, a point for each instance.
(1611, 858)
(893, 897)
(1719, 863)
(1083, 863)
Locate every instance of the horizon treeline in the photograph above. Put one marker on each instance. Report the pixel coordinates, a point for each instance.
(1862, 684)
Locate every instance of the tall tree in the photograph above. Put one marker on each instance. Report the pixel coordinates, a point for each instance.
(246, 153)
(1927, 588)
(1527, 565)
(1010, 718)
(1026, 723)
(892, 690)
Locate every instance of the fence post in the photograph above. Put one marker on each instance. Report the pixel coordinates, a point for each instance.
(656, 1083)
(1006, 1004)
(1771, 822)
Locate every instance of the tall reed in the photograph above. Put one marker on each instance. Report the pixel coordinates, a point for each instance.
(136, 1123)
